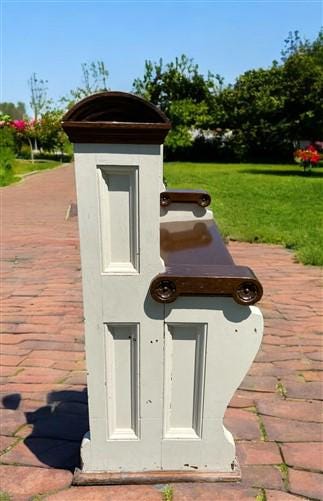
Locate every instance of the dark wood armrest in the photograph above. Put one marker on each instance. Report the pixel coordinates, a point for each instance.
(198, 263)
(199, 197)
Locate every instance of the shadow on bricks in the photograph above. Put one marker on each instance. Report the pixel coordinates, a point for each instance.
(58, 427)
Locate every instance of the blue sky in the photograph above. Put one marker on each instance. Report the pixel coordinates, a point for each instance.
(53, 38)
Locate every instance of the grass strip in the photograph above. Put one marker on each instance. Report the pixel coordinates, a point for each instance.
(276, 204)
(22, 167)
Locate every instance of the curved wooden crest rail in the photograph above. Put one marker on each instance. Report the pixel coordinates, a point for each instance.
(197, 261)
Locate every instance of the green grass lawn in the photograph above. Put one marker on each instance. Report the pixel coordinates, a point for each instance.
(261, 203)
(21, 167)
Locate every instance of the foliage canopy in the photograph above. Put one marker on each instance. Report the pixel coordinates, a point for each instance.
(262, 116)
(183, 93)
(15, 111)
(94, 79)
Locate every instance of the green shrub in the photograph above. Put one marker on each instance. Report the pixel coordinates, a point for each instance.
(6, 155)
(6, 158)
(24, 152)
(7, 139)
(6, 174)
(4, 496)
(58, 157)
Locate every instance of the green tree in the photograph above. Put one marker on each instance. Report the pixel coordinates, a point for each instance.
(39, 102)
(38, 95)
(176, 81)
(94, 79)
(51, 136)
(7, 147)
(183, 93)
(303, 88)
(254, 112)
(295, 45)
(15, 111)
(269, 110)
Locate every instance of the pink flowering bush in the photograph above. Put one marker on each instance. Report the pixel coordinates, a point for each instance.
(42, 135)
(26, 131)
(19, 125)
(7, 150)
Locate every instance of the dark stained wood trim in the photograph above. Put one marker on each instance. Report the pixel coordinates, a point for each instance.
(117, 133)
(115, 117)
(186, 243)
(235, 281)
(118, 102)
(154, 477)
(197, 262)
(199, 197)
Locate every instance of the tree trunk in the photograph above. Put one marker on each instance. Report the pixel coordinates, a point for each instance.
(31, 150)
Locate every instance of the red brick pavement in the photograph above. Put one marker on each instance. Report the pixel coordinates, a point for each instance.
(276, 415)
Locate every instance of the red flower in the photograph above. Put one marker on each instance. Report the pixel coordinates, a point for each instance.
(19, 125)
(308, 156)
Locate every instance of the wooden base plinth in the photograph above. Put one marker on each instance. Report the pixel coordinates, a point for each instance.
(153, 477)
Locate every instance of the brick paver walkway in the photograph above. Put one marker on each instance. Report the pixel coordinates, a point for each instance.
(276, 414)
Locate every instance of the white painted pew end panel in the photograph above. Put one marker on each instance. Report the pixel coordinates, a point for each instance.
(207, 347)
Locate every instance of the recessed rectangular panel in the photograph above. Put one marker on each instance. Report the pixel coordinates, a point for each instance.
(122, 381)
(184, 380)
(118, 194)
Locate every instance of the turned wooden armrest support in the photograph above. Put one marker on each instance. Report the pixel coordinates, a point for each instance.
(199, 197)
(197, 262)
(222, 280)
